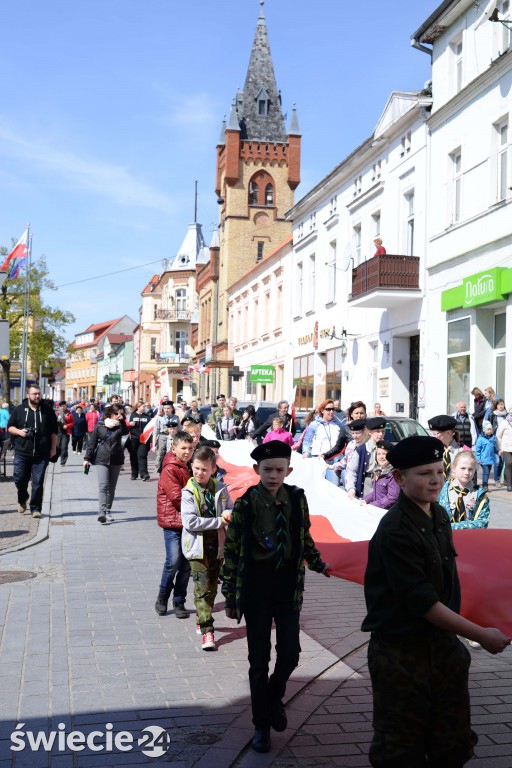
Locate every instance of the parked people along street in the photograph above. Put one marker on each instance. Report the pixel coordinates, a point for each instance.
(33, 426)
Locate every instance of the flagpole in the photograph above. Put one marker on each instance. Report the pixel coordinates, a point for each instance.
(26, 308)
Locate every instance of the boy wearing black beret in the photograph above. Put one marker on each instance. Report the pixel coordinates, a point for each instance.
(267, 542)
(418, 666)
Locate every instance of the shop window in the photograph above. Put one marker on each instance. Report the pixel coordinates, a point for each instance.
(458, 363)
(333, 374)
(303, 379)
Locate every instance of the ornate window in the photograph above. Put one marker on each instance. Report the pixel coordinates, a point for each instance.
(262, 190)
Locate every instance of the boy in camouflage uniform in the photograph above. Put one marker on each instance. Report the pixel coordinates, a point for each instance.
(267, 542)
(205, 511)
(418, 666)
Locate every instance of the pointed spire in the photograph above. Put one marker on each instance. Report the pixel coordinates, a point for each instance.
(261, 17)
(259, 109)
(222, 137)
(215, 243)
(233, 124)
(294, 129)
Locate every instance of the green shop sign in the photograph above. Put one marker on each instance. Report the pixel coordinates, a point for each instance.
(112, 378)
(483, 288)
(262, 374)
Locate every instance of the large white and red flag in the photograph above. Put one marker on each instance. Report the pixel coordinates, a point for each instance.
(342, 529)
(15, 260)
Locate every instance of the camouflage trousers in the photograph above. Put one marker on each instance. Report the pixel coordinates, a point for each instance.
(421, 710)
(205, 576)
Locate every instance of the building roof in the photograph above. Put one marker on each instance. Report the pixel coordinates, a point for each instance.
(119, 338)
(192, 251)
(260, 85)
(150, 287)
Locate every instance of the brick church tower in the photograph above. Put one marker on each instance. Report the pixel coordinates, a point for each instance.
(258, 169)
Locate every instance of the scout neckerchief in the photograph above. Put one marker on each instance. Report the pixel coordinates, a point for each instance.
(459, 512)
(207, 499)
(447, 463)
(280, 534)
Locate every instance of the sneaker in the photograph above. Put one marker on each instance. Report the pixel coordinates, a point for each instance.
(209, 642)
(474, 644)
(134, 477)
(74, 451)
(180, 611)
(199, 631)
(110, 517)
(22, 508)
(161, 603)
(146, 478)
(36, 513)
(103, 520)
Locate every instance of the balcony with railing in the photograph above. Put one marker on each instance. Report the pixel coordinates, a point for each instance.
(386, 280)
(174, 315)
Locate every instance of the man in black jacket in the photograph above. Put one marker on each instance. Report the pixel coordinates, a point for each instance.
(34, 429)
(282, 412)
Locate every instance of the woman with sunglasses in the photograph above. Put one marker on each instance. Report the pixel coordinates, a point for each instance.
(321, 438)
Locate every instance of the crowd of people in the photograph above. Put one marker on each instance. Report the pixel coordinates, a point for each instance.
(256, 548)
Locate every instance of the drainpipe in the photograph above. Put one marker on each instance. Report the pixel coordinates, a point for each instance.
(420, 47)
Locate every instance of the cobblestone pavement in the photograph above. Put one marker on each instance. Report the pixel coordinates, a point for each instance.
(82, 646)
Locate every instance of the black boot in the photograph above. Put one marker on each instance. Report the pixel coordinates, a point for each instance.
(261, 740)
(161, 603)
(278, 718)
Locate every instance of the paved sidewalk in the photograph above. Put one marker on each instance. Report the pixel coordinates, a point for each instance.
(82, 645)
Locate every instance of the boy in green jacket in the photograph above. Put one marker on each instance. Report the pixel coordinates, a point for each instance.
(267, 542)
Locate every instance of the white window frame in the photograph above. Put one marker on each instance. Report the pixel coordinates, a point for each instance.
(502, 135)
(409, 222)
(456, 177)
(299, 273)
(331, 273)
(310, 287)
(457, 49)
(356, 235)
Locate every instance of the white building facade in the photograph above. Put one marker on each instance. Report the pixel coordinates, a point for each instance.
(358, 315)
(469, 233)
(259, 328)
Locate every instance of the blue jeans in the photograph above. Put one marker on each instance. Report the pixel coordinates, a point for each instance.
(486, 471)
(26, 469)
(498, 468)
(176, 571)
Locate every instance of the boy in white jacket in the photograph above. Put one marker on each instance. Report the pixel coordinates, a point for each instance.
(205, 512)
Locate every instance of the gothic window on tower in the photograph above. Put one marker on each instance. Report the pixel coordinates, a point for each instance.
(262, 190)
(253, 193)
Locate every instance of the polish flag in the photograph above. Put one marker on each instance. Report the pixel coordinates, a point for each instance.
(342, 528)
(150, 428)
(17, 256)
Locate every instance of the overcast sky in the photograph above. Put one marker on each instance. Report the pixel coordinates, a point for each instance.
(111, 109)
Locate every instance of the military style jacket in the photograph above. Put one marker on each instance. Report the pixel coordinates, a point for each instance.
(240, 543)
(411, 566)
